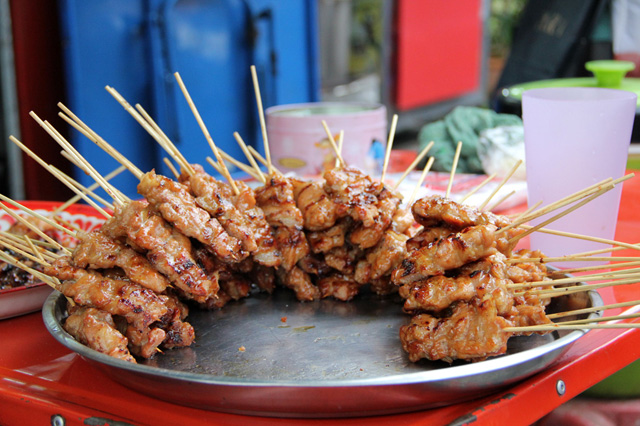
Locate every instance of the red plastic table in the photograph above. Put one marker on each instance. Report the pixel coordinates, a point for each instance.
(41, 382)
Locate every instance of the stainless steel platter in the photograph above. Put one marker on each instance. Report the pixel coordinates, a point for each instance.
(274, 356)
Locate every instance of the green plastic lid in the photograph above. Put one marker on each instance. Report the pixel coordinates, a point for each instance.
(609, 74)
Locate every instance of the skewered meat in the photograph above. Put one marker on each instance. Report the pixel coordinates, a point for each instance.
(338, 286)
(354, 193)
(368, 236)
(473, 331)
(484, 279)
(139, 306)
(317, 208)
(344, 258)
(328, 239)
(144, 342)
(166, 248)
(276, 200)
(427, 236)
(447, 253)
(383, 258)
(211, 196)
(96, 329)
(267, 253)
(292, 244)
(402, 222)
(178, 207)
(97, 251)
(300, 282)
(436, 211)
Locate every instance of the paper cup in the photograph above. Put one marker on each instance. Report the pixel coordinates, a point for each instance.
(574, 138)
(298, 142)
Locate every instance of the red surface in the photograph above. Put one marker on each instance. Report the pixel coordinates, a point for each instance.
(438, 48)
(40, 378)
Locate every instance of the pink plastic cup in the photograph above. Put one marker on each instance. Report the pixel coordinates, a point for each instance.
(574, 138)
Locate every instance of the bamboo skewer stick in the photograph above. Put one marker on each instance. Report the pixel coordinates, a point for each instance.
(454, 166)
(588, 238)
(413, 164)
(502, 183)
(576, 196)
(609, 249)
(340, 143)
(76, 155)
(500, 201)
(166, 143)
(553, 327)
(559, 215)
(593, 268)
(332, 141)
(206, 133)
(92, 187)
(251, 172)
(578, 288)
(263, 125)
(52, 282)
(69, 225)
(250, 157)
(627, 273)
(17, 239)
(529, 210)
(67, 182)
(602, 319)
(566, 201)
(214, 164)
(392, 133)
(479, 187)
(261, 159)
(569, 259)
(22, 220)
(101, 181)
(26, 243)
(594, 309)
(171, 167)
(95, 138)
(423, 175)
(32, 256)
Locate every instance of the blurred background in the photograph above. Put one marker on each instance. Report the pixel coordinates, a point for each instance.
(419, 59)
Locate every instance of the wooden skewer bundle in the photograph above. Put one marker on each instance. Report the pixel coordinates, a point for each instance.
(254, 170)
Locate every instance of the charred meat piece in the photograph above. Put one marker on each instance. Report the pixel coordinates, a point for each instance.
(178, 206)
(437, 210)
(383, 258)
(97, 251)
(339, 287)
(427, 236)
(484, 279)
(473, 331)
(96, 329)
(168, 250)
(447, 253)
(212, 196)
(139, 306)
(300, 282)
(293, 246)
(366, 237)
(317, 208)
(328, 239)
(277, 202)
(354, 193)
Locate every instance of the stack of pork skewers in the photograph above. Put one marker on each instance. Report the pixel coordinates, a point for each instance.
(200, 241)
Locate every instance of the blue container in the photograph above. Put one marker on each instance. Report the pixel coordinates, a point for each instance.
(137, 46)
